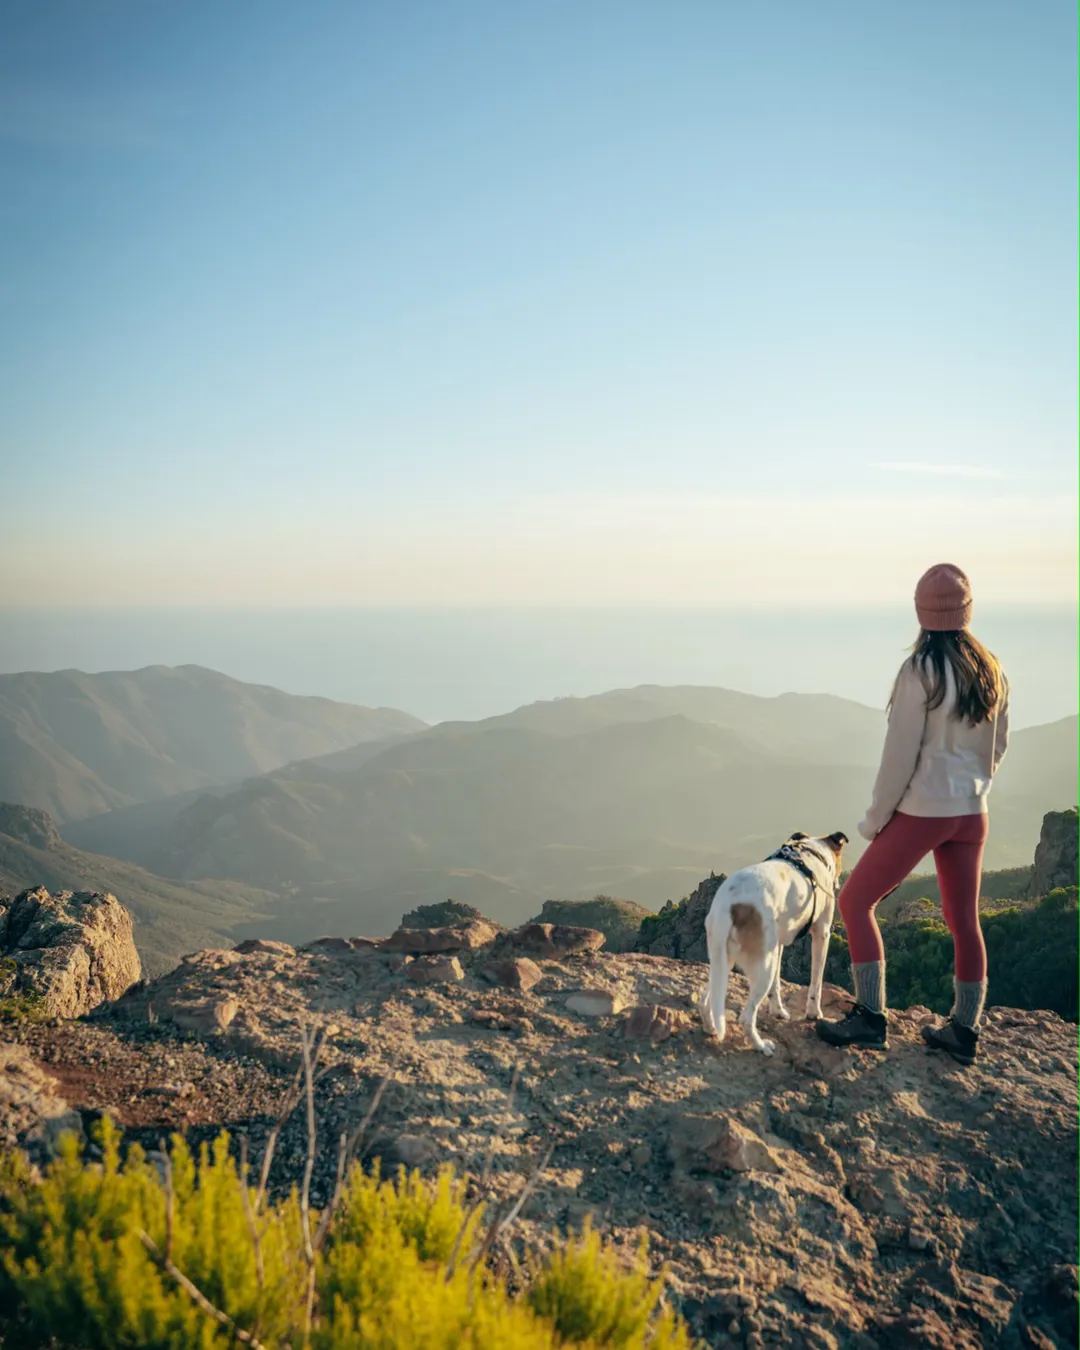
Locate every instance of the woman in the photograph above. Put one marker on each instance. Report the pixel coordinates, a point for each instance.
(948, 732)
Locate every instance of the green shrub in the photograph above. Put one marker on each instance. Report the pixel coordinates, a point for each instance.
(18, 1005)
(1031, 955)
(590, 1297)
(83, 1265)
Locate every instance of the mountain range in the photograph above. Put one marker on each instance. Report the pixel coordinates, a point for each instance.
(77, 745)
(636, 793)
(297, 816)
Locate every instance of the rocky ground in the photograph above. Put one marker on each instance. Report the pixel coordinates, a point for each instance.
(821, 1198)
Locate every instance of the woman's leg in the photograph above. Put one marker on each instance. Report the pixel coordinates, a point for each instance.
(891, 857)
(959, 869)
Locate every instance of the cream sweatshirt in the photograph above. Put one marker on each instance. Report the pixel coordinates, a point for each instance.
(934, 763)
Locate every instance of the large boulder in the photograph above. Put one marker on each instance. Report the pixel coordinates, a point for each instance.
(556, 939)
(467, 937)
(72, 949)
(679, 930)
(1056, 862)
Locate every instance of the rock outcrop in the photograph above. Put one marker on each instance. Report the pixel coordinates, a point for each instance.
(679, 929)
(1056, 857)
(73, 950)
(29, 826)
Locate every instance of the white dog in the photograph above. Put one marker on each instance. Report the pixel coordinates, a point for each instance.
(759, 911)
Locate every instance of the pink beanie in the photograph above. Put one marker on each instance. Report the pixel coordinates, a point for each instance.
(943, 599)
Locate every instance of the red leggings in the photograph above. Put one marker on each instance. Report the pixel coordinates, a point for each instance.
(958, 843)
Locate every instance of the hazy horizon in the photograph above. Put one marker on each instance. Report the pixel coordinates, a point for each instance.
(467, 663)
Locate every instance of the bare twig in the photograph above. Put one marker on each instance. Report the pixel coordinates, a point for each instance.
(196, 1295)
(309, 1160)
(499, 1225)
(292, 1096)
(253, 1227)
(527, 1190)
(348, 1147)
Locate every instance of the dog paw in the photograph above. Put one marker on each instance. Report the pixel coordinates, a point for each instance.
(768, 1047)
(783, 1014)
(813, 1012)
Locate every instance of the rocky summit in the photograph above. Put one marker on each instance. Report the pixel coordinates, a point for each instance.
(839, 1200)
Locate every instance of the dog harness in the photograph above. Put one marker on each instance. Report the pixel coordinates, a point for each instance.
(793, 856)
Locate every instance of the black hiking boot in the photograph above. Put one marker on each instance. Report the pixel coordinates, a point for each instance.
(959, 1041)
(860, 1027)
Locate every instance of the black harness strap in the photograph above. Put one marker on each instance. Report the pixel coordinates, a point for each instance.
(790, 854)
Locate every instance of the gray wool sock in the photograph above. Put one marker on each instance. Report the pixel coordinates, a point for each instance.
(869, 977)
(968, 1004)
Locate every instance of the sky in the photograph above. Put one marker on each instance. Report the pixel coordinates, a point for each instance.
(565, 303)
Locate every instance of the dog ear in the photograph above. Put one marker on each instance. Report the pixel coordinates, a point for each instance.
(838, 840)
(799, 835)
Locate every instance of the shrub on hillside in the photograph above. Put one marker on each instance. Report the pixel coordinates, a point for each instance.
(443, 914)
(104, 1256)
(1031, 954)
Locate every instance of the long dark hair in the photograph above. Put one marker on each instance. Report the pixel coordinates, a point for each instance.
(980, 681)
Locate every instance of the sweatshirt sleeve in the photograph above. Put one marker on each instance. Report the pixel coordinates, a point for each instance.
(1001, 738)
(903, 741)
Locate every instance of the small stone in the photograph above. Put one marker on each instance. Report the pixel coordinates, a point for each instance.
(200, 1015)
(397, 961)
(719, 1143)
(917, 1240)
(517, 973)
(655, 1022)
(594, 1003)
(641, 1155)
(435, 970)
(494, 1020)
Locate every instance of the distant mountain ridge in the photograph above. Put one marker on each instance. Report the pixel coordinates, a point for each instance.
(623, 793)
(635, 793)
(77, 745)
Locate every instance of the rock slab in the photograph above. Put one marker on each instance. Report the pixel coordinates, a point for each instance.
(556, 939)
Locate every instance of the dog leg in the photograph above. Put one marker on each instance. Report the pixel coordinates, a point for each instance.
(776, 998)
(819, 950)
(714, 1004)
(760, 976)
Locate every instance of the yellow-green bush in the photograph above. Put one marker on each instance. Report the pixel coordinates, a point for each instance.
(392, 1274)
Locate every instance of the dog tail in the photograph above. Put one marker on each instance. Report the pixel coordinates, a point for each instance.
(714, 1004)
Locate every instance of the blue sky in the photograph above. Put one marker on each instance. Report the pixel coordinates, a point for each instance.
(612, 302)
